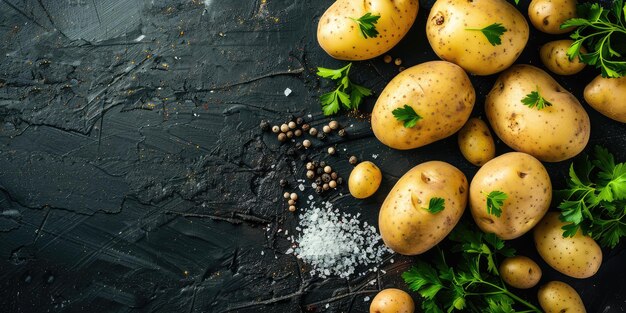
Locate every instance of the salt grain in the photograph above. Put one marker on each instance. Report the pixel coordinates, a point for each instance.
(287, 92)
(366, 299)
(375, 156)
(301, 187)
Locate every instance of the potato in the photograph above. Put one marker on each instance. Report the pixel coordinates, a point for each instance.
(440, 92)
(554, 56)
(548, 15)
(392, 300)
(527, 186)
(606, 95)
(364, 180)
(559, 297)
(340, 36)
(578, 256)
(476, 143)
(520, 272)
(405, 224)
(448, 30)
(554, 133)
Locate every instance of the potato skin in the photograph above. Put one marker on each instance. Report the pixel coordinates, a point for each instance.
(364, 180)
(578, 256)
(554, 56)
(548, 15)
(409, 229)
(476, 143)
(553, 134)
(559, 297)
(606, 95)
(341, 38)
(520, 272)
(440, 92)
(527, 185)
(392, 300)
(447, 34)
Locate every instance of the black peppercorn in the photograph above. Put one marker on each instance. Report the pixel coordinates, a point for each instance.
(265, 125)
(306, 128)
(334, 175)
(316, 164)
(325, 177)
(299, 121)
(318, 189)
(339, 180)
(322, 164)
(342, 132)
(321, 136)
(318, 180)
(319, 171)
(283, 182)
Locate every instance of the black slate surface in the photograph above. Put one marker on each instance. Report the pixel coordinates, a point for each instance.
(134, 176)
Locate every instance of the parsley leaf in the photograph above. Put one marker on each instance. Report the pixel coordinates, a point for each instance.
(495, 200)
(407, 115)
(534, 99)
(595, 200)
(493, 33)
(367, 25)
(600, 29)
(435, 205)
(347, 95)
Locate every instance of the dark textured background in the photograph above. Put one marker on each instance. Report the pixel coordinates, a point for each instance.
(134, 177)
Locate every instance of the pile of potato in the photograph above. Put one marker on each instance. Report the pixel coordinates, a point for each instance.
(443, 96)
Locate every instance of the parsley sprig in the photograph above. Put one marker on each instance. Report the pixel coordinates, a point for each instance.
(493, 33)
(435, 205)
(535, 100)
(495, 201)
(595, 200)
(407, 115)
(602, 30)
(473, 284)
(367, 25)
(348, 94)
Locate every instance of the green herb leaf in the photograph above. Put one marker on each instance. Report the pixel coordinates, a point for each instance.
(347, 95)
(367, 24)
(495, 200)
(435, 205)
(535, 100)
(407, 115)
(493, 33)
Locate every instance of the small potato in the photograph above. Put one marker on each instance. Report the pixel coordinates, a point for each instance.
(440, 92)
(339, 34)
(405, 223)
(578, 256)
(528, 188)
(607, 95)
(476, 143)
(392, 300)
(548, 15)
(559, 297)
(520, 272)
(554, 56)
(364, 180)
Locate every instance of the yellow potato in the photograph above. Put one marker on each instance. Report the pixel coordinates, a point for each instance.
(476, 143)
(607, 95)
(520, 272)
(527, 186)
(364, 180)
(340, 36)
(559, 297)
(439, 92)
(392, 300)
(578, 256)
(448, 33)
(406, 225)
(552, 134)
(554, 56)
(548, 15)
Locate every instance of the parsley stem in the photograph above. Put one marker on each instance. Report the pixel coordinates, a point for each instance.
(508, 293)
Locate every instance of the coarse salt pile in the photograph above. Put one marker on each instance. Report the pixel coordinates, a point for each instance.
(336, 243)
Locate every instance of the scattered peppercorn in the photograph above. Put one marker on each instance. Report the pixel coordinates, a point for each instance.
(331, 150)
(306, 143)
(297, 132)
(401, 68)
(313, 131)
(332, 184)
(289, 134)
(284, 128)
(291, 202)
(309, 166)
(310, 174)
(325, 187)
(353, 160)
(283, 182)
(325, 178)
(333, 125)
(299, 121)
(397, 61)
(334, 175)
(321, 136)
(322, 164)
(339, 180)
(387, 58)
(282, 137)
(275, 129)
(306, 127)
(319, 171)
(326, 129)
(342, 132)
(292, 208)
(265, 125)
(328, 169)
(319, 189)
(292, 125)
(293, 196)
(286, 195)
(318, 180)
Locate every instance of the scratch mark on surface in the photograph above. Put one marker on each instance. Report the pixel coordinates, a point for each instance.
(23, 13)
(41, 226)
(297, 71)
